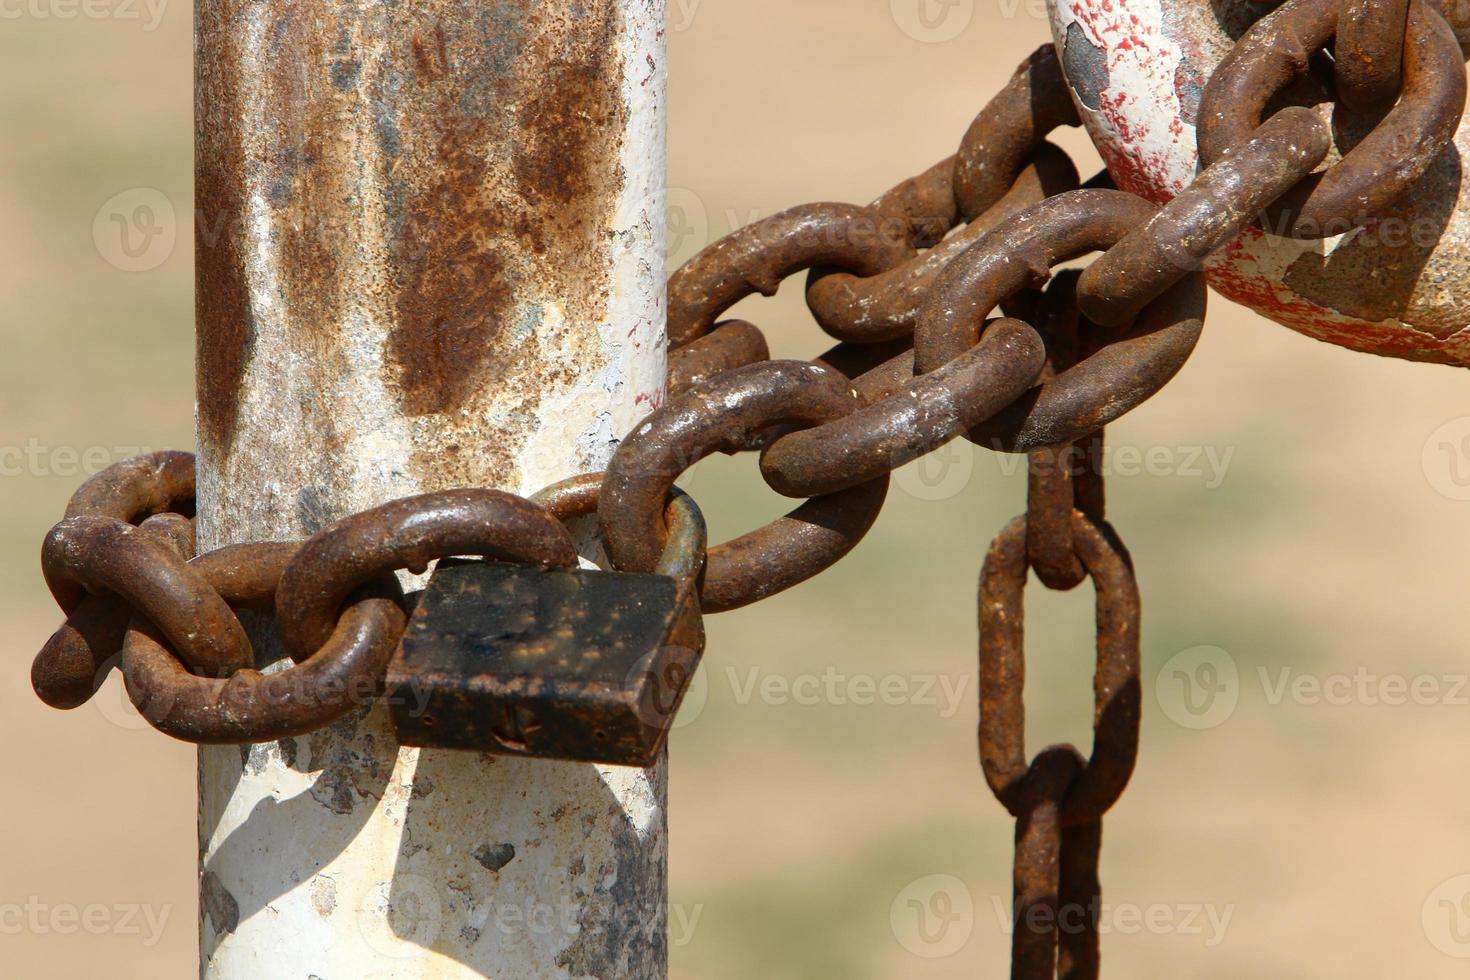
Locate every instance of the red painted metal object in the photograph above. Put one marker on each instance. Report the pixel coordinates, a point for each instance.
(1396, 286)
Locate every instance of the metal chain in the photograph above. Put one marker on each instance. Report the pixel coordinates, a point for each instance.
(1056, 798)
(907, 286)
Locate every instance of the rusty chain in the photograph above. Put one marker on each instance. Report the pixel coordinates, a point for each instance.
(908, 286)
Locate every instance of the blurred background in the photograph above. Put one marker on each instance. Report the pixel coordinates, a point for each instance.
(1297, 514)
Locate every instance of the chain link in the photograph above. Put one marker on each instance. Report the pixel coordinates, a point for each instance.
(1386, 163)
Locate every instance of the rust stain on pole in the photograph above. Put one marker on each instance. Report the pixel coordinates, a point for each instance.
(430, 253)
(457, 311)
(444, 171)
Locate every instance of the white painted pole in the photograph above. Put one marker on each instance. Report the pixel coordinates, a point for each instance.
(430, 254)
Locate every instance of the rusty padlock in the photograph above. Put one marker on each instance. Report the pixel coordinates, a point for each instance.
(556, 663)
(1138, 72)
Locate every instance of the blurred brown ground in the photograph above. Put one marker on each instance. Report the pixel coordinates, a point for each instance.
(1320, 541)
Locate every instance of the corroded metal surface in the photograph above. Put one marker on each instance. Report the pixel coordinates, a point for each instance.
(1011, 127)
(1384, 159)
(925, 412)
(525, 661)
(729, 344)
(430, 254)
(410, 533)
(1037, 869)
(1066, 478)
(421, 210)
(1089, 395)
(1137, 70)
(733, 413)
(1116, 689)
(756, 258)
(1368, 52)
(426, 324)
(79, 655)
(1223, 200)
(554, 663)
(252, 706)
(99, 554)
(867, 309)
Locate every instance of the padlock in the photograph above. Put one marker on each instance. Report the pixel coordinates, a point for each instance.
(1137, 70)
(575, 664)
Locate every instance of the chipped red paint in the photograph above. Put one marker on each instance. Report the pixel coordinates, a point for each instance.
(1138, 134)
(1156, 55)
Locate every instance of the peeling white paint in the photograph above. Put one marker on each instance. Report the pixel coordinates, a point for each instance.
(1155, 53)
(338, 854)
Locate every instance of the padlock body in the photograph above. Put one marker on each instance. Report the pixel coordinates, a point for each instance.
(551, 663)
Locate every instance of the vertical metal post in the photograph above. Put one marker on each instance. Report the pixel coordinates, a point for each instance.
(430, 254)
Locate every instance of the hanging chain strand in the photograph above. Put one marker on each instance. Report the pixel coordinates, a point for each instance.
(1057, 892)
(909, 287)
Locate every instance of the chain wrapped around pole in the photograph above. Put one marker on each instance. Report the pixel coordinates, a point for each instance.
(950, 322)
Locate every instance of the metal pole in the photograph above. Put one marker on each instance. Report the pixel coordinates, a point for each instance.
(430, 254)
